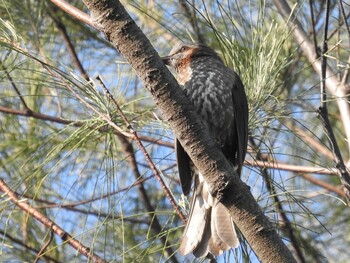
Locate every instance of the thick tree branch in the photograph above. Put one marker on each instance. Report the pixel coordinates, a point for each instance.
(121, 30)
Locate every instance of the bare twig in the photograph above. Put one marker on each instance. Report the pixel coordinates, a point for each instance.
(313, 26)
(287, 226)
(145, 153)
(339, 90)
(324, 184)
(323, 115)
(65, 236)
(70, 47)
(15, 88)
(345, 21)
(311, 141)
(154, 222)
(290, 167)
(74, 12)
(28, 248)
(344, 17)
(41, 251)
(193, 21)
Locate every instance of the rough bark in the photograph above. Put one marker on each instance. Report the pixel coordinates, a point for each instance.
(112, 19)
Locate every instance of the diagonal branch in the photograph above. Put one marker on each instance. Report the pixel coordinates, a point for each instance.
(65, 236)
(74, 12)
(145, 153)
(15, 88)
(287, 226)
(191, 18)
(154, 222)
(129, 151)
(70, 47)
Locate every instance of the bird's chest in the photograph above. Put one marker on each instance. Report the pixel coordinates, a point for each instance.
(212, 99)
(184, 75)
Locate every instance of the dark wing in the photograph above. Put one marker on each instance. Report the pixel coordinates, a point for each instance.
(183, 164)
(240, 109)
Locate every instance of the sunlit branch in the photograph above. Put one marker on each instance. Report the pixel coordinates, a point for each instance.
(74, 12)
(145, 153)
(65, 236)
(287, 226)
(290, 167)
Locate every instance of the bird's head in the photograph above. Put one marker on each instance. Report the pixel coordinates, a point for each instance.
(182, 55)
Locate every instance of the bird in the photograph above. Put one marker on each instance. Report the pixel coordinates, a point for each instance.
(219, 99)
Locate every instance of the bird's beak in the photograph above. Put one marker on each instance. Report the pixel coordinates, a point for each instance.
(167, 60)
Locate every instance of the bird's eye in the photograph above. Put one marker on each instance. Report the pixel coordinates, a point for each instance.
(184, 48)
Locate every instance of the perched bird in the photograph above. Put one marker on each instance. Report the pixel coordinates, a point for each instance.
(219, 98)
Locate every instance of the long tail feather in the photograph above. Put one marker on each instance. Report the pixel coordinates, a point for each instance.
(210, 228)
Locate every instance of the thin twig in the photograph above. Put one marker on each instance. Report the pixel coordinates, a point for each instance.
(41, 251)
(154, 222)
(324, 185)
(323, 115)
(345, 21)
(290, 167)
(313, 27)
(145, 153)
(193, 21)
(70, 47)
(74, 12)
(15, 88)
(287, 226)
(65, 236)
(26, 247)
(45, 117)
(344, 17)
(310, 140)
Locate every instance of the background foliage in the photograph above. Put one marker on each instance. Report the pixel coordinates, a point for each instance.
(58, 152)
